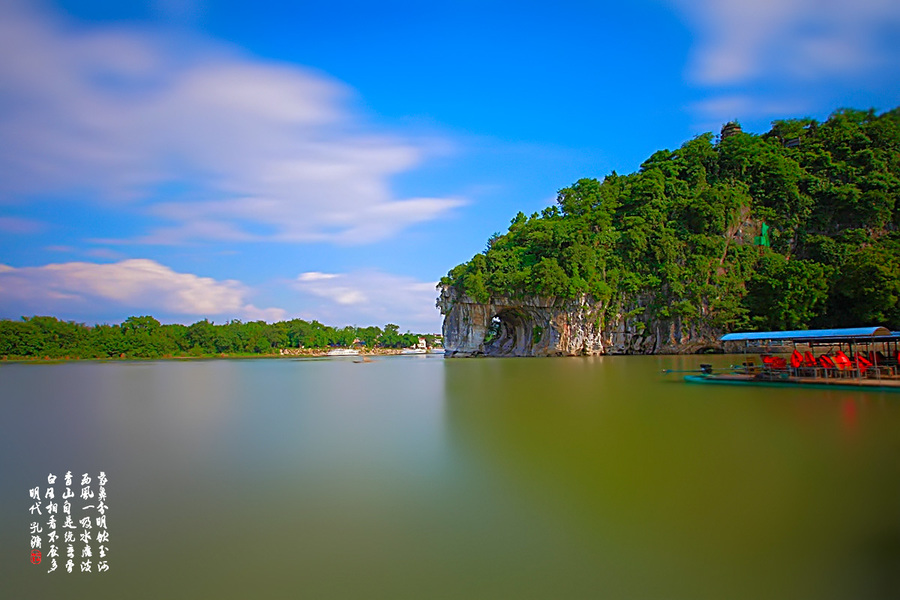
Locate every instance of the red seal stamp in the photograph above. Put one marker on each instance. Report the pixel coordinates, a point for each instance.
(36, 557)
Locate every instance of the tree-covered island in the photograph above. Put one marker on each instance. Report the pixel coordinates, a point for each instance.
(792, 229)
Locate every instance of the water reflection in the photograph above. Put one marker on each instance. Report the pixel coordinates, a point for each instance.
(688, 491)
(416, 477)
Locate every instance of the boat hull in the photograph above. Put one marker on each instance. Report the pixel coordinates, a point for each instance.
(868, 385)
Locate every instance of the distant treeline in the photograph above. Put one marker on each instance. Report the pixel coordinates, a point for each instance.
(145, 337)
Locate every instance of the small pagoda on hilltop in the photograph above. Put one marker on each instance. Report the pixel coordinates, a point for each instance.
(729, 129)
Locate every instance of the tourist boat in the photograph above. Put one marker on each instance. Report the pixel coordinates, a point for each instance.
(862, 358)
(343, 352)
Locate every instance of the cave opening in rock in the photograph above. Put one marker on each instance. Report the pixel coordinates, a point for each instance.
(493, 330)
(708, 350)
(505, 334)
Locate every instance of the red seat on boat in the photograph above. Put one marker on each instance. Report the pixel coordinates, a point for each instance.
(773, 362)
(809, 360)
(796, 359)
(827, 363)
(843, 361)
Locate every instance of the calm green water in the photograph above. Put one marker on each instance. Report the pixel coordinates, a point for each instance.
(418, 477)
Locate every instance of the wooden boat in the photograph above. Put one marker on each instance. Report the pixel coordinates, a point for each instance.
(862, 358)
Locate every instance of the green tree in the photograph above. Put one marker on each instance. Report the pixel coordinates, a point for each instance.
(680, 236)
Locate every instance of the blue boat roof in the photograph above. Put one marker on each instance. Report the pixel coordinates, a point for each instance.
(810, 334)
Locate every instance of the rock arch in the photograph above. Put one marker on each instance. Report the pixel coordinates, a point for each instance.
(513, 334)
(530, 326)
(546, 326)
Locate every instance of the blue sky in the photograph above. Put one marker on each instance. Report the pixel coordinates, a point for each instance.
(268, 160)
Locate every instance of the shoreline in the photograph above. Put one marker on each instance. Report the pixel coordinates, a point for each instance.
(285, 353)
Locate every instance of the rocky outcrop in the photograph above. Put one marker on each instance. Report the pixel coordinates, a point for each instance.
(541, 326)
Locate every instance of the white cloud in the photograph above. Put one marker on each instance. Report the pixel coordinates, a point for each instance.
(134, 284)
(747, 40)
(763, 59)
(258, 150)
(271, 315)
(316, 276)
(369, 298)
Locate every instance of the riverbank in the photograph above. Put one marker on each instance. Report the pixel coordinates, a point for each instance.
(282, 353)
(315, 352)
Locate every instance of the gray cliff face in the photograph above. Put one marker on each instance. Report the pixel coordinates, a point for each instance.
(539, 326)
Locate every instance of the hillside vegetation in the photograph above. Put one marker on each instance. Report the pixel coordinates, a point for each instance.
(795, 228)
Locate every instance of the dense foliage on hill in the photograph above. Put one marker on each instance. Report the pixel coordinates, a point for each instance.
(144, 337)
(795, 228)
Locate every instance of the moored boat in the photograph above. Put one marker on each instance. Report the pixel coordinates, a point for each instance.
(863, 358)
(881, 385)
(343, 352)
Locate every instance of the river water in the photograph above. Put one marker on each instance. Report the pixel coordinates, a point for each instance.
(418, 477)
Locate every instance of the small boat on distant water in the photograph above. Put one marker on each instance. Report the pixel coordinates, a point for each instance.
(862, 358)
(413, 351)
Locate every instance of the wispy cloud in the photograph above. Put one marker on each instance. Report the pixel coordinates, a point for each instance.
(742, 40)
(787, 47)
(21, 226)
(82, 287)
(373, 296)
(257, 150)
(316, 276)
